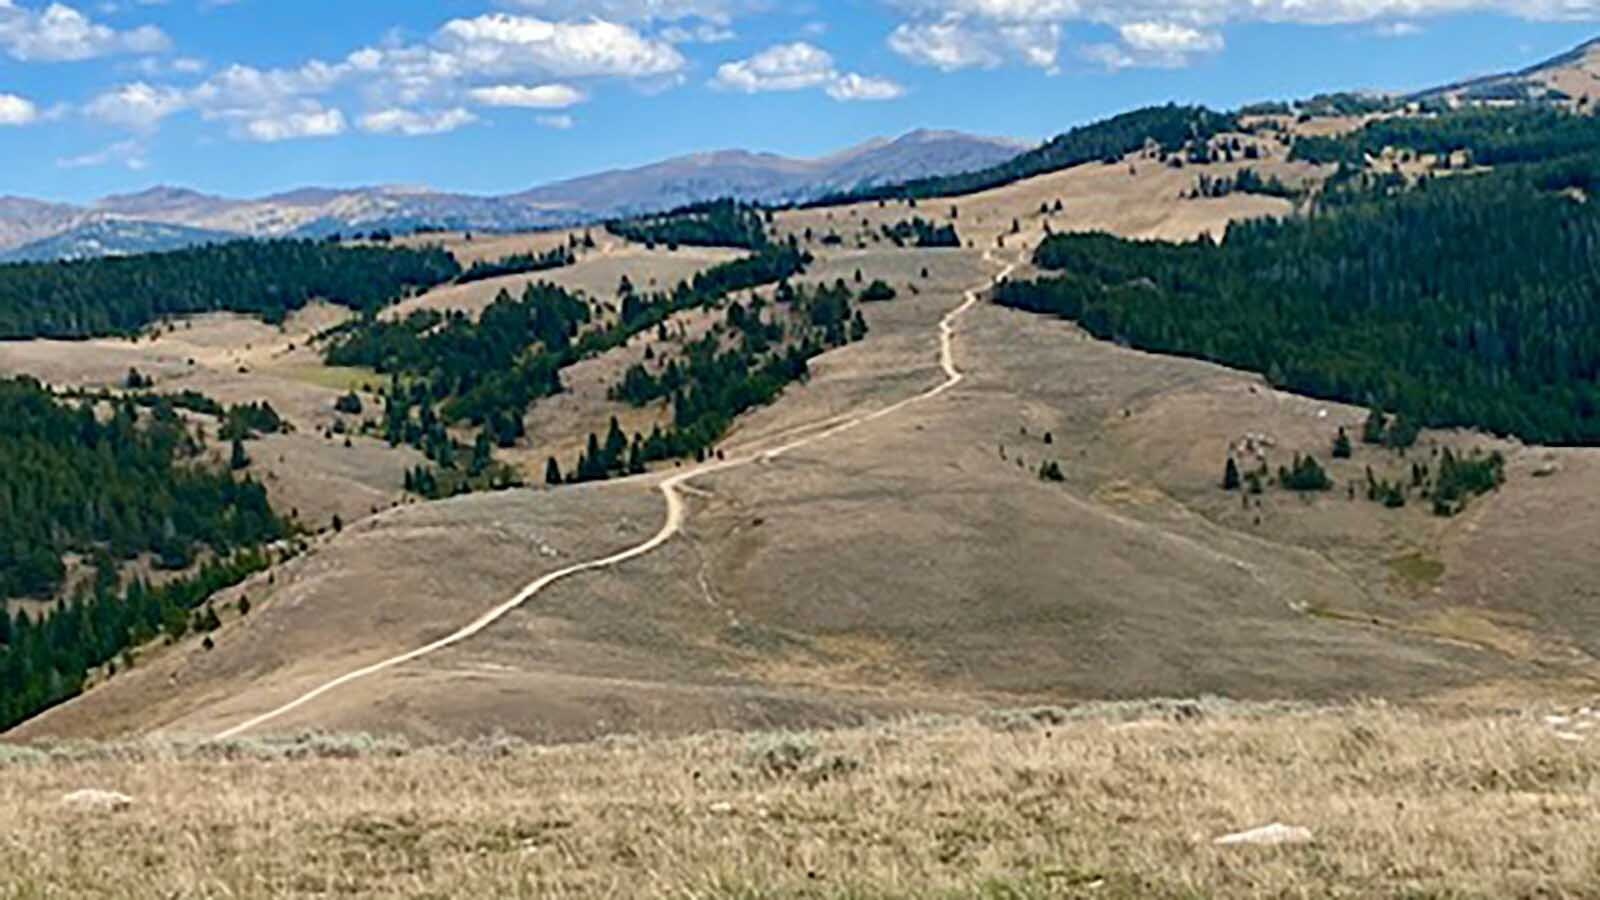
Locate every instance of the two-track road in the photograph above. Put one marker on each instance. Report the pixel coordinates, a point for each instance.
(671, 489)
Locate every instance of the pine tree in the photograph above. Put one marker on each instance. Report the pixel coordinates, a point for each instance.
(1341, 445)
(552, 472)
(238, 459)
(1230, 476)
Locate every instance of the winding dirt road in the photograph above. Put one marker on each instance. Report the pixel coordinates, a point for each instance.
(676, 513)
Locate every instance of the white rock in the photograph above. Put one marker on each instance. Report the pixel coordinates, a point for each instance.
(1568, 736)
(1267, 835)
(1556, 721)
(93, 800)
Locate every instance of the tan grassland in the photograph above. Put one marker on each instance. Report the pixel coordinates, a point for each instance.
(1120, 801)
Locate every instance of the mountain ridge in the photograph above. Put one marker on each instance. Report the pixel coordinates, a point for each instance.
(153, 217)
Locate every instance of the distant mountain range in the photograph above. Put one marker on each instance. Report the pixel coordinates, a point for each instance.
(164, 217)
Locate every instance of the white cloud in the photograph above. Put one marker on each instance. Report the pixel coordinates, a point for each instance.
(959, 34)
(639, 10)
(1156, 44)
(59, 33)
(395, 80)
(412, 123)
(138, 106)
(861, 87)
(1203, 13)
(306, 123)
(785, 67)
(129, 154)
(799, 66)
(16, 110)
(499, 43)
(956, 43)
(558, 122)
(543, 96)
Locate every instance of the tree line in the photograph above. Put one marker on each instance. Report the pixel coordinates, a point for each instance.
(1470, 301)
(270, 279)
(519, 264)
(717, 223)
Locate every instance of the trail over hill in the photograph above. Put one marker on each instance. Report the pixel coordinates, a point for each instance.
(671, 489)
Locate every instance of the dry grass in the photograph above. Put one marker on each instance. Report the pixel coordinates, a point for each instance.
(1116, 802)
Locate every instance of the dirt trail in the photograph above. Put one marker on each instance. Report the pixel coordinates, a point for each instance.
(671, 489)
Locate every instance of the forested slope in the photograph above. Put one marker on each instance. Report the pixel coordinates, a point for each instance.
(108, 488)
(1471, 300)
(266, 278)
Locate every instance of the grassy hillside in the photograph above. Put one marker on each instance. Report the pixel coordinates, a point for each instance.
(1170, 126)
(1118, 802)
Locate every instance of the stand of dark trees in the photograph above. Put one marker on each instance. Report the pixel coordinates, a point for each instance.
(108, 488)
(922, 233)
(1169, 126)
(712, 385)
(72, 483)
(46, 660)
(518, 264)
(121, 295)
(1247, 181)
(1468, 301)
(449, 370)
(718, 223)
(1491, 137)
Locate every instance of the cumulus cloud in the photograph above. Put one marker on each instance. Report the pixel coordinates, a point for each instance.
(799, 66)
(407, 89)
(958, 34)
(542, 96)
(1153, 44)
(16, 110)
(860, 87)
(785, 67)
(1202, 13)
(956, 43)
(413, 123)
(138, 106)
(499, 43)
(559, 122)
(60, 33)
(311, 122)
(639, 10)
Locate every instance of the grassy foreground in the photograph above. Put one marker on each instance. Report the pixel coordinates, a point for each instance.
(1109, 802)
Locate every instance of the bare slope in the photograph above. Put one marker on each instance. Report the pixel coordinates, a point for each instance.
(916, 561)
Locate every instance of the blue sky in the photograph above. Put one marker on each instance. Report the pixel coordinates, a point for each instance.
(244, 97)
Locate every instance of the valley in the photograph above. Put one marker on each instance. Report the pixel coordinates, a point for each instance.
(902, 533)
(833, 534)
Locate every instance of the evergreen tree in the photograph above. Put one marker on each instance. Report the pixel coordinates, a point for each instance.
(1230, 476)
(238, 458)
(1341, 445)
